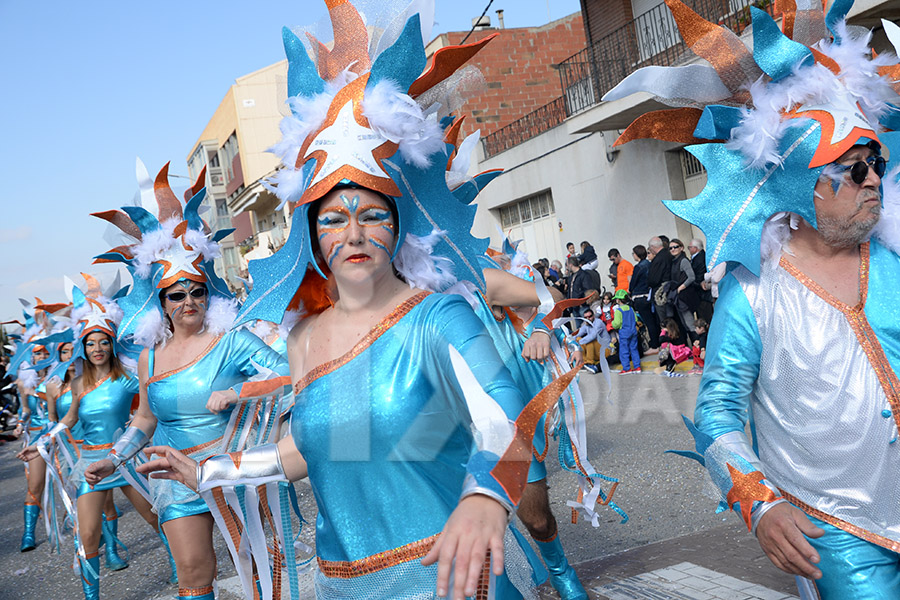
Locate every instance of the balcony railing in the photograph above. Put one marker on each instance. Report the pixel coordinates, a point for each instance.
(650, 39)
(531, 125)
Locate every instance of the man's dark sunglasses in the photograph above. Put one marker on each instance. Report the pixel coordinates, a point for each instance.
(860, 169)
(181, 296)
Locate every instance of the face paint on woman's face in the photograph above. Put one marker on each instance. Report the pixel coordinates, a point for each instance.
(343, 221)
(98, 348)
(186, 298)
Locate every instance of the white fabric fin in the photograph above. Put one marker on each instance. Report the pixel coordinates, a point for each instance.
(145, 184)
(493, 429)
(694, 82)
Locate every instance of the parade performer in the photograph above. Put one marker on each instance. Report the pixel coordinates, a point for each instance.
(805, 336)
(101, 405)
(193, 368)
(407, 456)
(32, 390)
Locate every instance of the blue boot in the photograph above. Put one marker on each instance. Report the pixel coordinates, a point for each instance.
(90, 576)
(114, 562)
(32, 511)
(562, 576)
(204, 593)
(173, 576)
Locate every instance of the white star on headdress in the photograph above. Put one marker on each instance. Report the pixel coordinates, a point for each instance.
(346, 143)
(179, 259)
(96, 319)
(842, 118)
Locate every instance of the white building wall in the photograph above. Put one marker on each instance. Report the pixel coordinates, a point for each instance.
(610, 204)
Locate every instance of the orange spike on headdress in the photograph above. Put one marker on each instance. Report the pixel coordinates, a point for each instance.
(93, 286)
(351, 42)
(451, 136)
(670, 125)
(51, 308)
(120, 220)
(788, 11)
(123, 250)
(445, 63)
(718, 45)
(169, 206)
(198, 185)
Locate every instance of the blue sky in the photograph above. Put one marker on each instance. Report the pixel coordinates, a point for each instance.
(88, 86)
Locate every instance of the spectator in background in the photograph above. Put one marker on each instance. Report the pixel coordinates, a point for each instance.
(701, 327)
(540, 270)
(624, 269)
(570, 248)
(685, 298)
(639, 290)
(556, 270)
(594, 340)
(588, 257)
(698, 263)
(659, 274)
(578, 283)
(626, 326)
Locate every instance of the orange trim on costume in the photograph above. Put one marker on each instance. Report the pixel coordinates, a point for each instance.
(265, 387)
(97, 447)
(856, 317)
(859, 532)
(381, 327)
(200, 591)
(512, 470)
(206, 351)
(277, 555)
(231, 522)
(202, 446)
(97, 384)
(347, 569)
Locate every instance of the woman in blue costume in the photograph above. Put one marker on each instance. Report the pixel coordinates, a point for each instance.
(374, 366)
(34, 413)
(101, 406)
(190, 374)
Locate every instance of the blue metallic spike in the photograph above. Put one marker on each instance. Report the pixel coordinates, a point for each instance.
(774, 52)
(191, 214)
(447, 121)
(303, 78)
(78, 297)
(442, 211)
(717, 121)
(838, 11)
(702, 441)
(688, 454)
(222, 234)
(277, 277)
(214, 283)
(144, 219)
(733, 207)
(403, 62)
(143, 297)
(122, 292)
(467, 192)
(509, 248)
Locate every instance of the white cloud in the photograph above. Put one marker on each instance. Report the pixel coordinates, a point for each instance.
(18, 234)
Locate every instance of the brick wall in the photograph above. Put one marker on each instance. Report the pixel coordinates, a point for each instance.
(518, 67)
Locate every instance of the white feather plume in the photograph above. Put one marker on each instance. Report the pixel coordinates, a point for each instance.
(887, 231)
(398, 118)
(202, 243)
(776, 234)
(220, 314)
(27, 376)
(152, 246)
(151, 329)
(420, 267)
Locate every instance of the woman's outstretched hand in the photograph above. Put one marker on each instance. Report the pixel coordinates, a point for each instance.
(28, 454)
(171, 464)
(476, 526)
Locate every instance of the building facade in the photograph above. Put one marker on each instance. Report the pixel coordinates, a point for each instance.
(564, 181)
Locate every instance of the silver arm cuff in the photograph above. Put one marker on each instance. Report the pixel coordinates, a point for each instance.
(761, 510)
(471, 487)
(256, 466)
(127, 446)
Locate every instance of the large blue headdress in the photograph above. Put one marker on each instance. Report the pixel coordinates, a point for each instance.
(803, 96)
(167, 243)
(375, 121)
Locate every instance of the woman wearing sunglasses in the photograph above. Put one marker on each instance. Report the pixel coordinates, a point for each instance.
(191, 370)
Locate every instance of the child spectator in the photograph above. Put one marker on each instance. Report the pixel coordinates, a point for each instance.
(671, 346)
(594, 340)
(625, 323)
(701, 327)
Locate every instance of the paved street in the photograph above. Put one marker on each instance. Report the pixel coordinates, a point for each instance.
(673, 545)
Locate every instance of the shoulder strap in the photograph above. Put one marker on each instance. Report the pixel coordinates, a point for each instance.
(150, 355)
